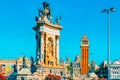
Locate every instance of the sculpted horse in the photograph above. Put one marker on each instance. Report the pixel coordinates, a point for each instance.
(47, 10)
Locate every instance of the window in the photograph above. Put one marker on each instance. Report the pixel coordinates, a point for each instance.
(22, 78)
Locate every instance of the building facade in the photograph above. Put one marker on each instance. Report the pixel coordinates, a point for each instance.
(115, 70)
(76, 67)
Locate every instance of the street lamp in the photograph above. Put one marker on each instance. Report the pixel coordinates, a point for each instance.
(108, 55)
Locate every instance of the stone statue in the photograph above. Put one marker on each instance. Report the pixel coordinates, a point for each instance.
(62, 60)
(36, 18)
(68, 60)
(24, 63)
(57, 20)
(47, 9)
(41, 13)
(49, 45)
(32, 60)
(32, 67)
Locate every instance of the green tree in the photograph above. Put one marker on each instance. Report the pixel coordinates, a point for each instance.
(8, 69)
(69, 70)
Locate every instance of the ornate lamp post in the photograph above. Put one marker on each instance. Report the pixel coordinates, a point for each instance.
(108, 55)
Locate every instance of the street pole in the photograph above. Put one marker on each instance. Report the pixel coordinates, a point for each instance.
(108, 48)
(108, 45)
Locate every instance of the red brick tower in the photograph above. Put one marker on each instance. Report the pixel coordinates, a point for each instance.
(85, 55)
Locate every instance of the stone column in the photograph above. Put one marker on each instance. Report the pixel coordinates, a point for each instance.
(37, 45)
(58, 48)
(42, 46)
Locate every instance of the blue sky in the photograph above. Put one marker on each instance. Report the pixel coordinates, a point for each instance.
(79, 17)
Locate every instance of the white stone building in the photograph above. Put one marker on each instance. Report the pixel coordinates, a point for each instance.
(115, 70)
